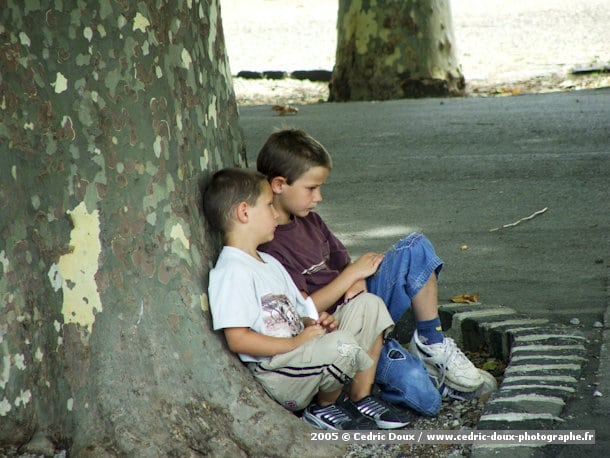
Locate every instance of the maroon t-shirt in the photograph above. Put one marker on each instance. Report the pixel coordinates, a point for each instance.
(309, 251)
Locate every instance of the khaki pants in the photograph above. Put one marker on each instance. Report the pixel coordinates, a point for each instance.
(326, 363)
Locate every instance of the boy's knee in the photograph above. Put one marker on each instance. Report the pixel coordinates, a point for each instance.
(367, 301)
(339, 337)
(371, 308)
(342, 345)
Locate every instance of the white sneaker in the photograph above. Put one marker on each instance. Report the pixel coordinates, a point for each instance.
(447, 363)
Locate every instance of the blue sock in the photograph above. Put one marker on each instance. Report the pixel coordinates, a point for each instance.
(430, 332)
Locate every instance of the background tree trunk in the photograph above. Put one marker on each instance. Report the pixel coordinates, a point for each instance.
(392, 49)
(111, 113)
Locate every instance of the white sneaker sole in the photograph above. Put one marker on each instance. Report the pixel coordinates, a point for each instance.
(488, 386)
(389, 425)
(315, 421)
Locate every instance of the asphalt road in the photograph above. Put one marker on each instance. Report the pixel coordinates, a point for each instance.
(456, 168)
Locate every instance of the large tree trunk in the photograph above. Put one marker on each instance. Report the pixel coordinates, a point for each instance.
(393, 49)
(111, 114)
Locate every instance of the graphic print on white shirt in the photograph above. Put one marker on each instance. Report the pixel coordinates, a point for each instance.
(280, 316)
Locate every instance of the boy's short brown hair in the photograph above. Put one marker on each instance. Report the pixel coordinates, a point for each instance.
(289, 153)
(226, 189)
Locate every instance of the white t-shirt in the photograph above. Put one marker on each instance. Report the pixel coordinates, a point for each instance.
(247, 293)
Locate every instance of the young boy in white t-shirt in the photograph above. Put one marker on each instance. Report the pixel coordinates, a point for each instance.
(295, 352)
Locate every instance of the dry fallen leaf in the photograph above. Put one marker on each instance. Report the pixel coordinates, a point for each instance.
(490, 365)
(283, 110)
(466, 298)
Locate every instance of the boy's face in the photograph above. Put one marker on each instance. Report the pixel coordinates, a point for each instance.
(302, 196)
(263, 216)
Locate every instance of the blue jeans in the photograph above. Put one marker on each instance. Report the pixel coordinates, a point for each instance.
(405, 269)
(403, 380)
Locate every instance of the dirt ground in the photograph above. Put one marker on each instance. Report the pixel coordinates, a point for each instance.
(504, 48)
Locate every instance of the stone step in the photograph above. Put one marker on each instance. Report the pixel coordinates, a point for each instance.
(544, 362)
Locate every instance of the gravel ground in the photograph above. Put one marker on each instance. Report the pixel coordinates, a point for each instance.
(454, 415)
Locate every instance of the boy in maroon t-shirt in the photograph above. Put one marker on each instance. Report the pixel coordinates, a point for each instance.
(297, 166)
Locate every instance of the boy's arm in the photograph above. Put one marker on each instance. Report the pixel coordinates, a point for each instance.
(249, 342)
(355, 289)
(363, 267)
(328, 295)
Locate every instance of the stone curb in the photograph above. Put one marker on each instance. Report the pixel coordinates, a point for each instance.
(544, 364)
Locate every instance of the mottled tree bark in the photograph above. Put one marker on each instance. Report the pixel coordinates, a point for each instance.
(393, 49)
(112, 113)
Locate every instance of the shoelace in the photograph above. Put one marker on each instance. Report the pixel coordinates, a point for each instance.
(455, 351)
(451, 352)
(448, 392)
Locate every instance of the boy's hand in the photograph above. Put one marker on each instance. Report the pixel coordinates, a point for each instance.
(366, 265)
(328, 322)
(325, 320)
(309, 333)
(308, 321)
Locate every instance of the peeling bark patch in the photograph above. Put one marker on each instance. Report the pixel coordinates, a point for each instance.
(5, 407)
(140, 23)
(177, 233)
(6, 371)
(79, 267)
(362, 22)
(205, 303)
(60, 84)
(213, 18)
(24, 39)
(186, 59)
(212, 114)
(88, 34)
(24, 397)
(19, 361)
(4, 261)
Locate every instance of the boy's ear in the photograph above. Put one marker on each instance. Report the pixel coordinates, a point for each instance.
(277, 184)
(241, 212)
